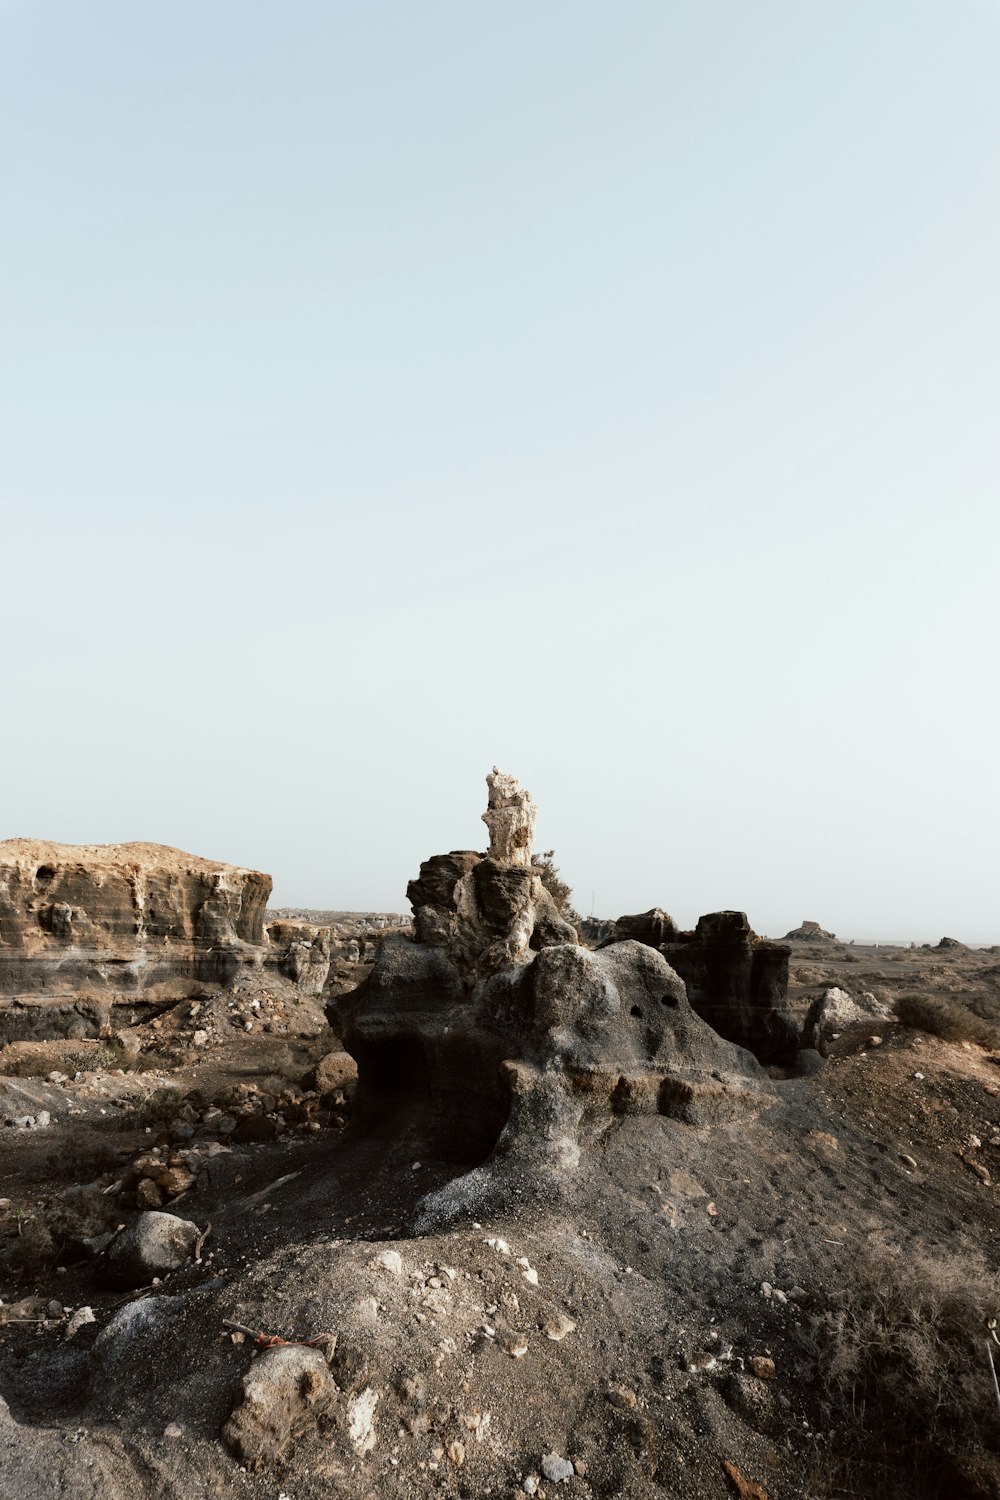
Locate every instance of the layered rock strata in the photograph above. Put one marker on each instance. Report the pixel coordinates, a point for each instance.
(85, 927)
(735, 980)
(495, 1034)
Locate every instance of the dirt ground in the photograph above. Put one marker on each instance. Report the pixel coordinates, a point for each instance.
(672, 1323)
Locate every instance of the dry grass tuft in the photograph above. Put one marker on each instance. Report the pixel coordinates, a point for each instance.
(946, 1019)
(905, 1367)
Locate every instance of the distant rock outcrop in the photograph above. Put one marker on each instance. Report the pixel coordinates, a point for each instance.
(84, 927)
(947, 942)
(496, 1035)
(653, 927)
(809, 932)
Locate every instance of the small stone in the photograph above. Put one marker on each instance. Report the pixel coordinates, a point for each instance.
(200, 1038)
(518, 1349)
(557, 1326)
(874, 1041)
(762, 1367)
(557, 1469)
(147, 1194)
(712, 1211)
(621, 1397)
(908, 1161)
(918, 1075)
(391, 1261)
(530, 1484)
(174, 1181)
(456, 1453)
(973, 1142)
(173, 1430)
(80, 1319)
(361, 1420)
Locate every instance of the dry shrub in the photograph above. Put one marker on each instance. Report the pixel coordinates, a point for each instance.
(905, 1359)
(946, 1019)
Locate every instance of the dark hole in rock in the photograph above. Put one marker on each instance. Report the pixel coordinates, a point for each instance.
(670, 1000)
(635, 1011)
(45, 874)
(454, 1103)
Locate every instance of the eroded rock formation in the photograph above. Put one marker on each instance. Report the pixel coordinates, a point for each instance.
(735, 980)
(85, 927)
(494, 1034)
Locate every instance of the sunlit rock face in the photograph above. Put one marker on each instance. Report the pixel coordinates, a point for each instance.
(494, 1038)
(135, 922)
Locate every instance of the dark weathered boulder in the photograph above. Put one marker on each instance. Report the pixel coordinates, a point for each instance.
(653, 927)
(439, 875)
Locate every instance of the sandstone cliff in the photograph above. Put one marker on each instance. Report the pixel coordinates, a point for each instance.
(83, 927)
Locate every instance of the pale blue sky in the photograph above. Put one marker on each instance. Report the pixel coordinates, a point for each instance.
(605, 390)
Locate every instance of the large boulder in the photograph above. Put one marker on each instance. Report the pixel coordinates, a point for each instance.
(835, 1011)
(153, 1244)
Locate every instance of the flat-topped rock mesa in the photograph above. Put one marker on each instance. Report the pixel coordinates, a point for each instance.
(809, 932)
(735, 980)
(497, 1038)
(122, 923)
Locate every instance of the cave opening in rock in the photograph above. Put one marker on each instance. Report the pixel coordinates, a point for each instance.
(454, 1103)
